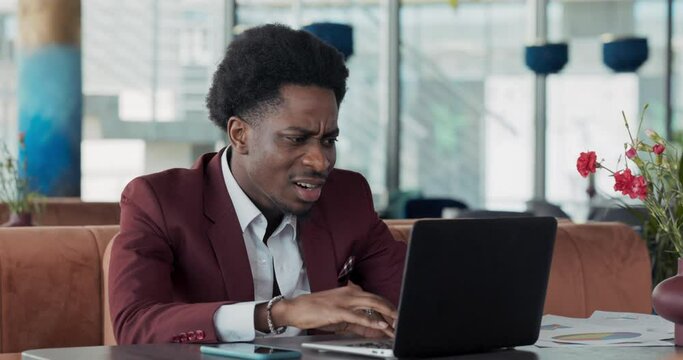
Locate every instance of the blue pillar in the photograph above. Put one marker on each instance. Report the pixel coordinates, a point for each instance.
(50, 95)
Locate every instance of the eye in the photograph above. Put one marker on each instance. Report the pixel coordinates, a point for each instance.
(329, 141)
(297, 139)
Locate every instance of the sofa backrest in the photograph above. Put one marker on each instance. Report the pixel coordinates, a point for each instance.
(51, 286)
(595, 266)
(53, 291)
(598, 266)
(108, 337)
(72, 212)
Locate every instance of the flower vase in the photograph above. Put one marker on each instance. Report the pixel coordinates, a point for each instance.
(20, 219)
(667, 300)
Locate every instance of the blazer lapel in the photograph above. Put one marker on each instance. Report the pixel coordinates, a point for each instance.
(225, 234)
(318, 253)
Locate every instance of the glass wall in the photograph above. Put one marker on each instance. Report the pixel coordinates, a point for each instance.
(466, 95)
(177, 44)
(466, 103)
(147, 66)
(677, 78)
(585, 101)
(8, 73)
(467, 98)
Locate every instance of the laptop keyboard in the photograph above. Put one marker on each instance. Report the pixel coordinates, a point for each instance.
(374, 345)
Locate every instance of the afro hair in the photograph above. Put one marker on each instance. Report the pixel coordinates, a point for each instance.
(260, 61)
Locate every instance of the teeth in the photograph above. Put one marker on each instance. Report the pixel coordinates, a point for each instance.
(308, 186)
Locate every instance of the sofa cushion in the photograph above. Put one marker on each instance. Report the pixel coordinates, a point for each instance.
(50, 293)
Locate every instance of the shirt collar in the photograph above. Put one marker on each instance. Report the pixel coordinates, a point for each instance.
(246, 211)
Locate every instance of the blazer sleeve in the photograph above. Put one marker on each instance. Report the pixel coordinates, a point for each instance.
(141, 298)
(380, 267)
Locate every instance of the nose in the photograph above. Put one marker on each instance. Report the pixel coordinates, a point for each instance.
(316, 158)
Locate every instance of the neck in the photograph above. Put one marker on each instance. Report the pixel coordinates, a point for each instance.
(273, 214)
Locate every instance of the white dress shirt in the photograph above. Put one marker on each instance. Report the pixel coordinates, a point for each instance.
(235, 322)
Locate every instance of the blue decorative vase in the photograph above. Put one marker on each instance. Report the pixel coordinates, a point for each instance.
(339, 36)
(547, 58)
(624, 54)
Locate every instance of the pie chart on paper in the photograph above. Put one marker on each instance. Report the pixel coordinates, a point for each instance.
(597, 336)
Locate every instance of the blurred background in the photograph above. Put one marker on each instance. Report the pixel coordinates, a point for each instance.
(440, 102)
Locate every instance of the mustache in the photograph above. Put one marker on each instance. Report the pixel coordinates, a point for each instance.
(312, 174)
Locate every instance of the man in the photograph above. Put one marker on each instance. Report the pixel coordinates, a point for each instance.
(253, 240)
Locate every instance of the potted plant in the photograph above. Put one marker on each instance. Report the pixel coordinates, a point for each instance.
(653, 173)
(14, 188)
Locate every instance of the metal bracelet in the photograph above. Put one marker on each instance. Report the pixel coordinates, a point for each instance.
(269, 318)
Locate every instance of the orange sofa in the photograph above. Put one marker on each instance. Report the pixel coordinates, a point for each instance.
(52, 283)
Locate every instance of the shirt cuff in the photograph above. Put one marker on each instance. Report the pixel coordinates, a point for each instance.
(235, 322)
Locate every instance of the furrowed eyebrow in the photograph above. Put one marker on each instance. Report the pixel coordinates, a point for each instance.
(304, 131)
(298, 130)
(333, 133)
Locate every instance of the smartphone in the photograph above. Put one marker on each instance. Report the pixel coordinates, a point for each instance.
(249, 351)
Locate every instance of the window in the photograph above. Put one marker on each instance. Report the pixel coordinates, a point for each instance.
(8, 86)
(466, 120)
(147, 66)
(585, 101)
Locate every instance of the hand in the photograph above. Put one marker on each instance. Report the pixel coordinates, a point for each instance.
(347, 328)
(340, 310)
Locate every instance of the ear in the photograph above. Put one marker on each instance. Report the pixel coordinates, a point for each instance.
(238, 131)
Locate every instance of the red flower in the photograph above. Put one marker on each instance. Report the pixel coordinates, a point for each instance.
(623, 180)
(638, 188)
(631, 153)
(658, 149)
(586, 163)
(633, 186)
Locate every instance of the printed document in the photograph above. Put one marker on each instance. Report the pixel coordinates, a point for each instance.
(605, 328)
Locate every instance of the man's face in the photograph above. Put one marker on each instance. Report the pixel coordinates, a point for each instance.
(291, 151)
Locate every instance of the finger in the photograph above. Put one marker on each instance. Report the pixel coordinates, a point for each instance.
(377, 305)
(343, 328)
(352, 285)
(362, 300)
(369, 332)
(390, 330)
(371, 299)
(373, 315)
(389, 320)
(357, 318)
(338, 328)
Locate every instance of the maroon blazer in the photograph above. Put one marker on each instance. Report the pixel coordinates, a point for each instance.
(180, 254)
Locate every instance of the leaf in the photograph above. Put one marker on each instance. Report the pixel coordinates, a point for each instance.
(680, 170)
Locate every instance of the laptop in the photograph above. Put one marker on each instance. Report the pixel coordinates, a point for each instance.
(469, 285)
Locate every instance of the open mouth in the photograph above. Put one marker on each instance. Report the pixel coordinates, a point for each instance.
(308, 192)
(306, 185)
